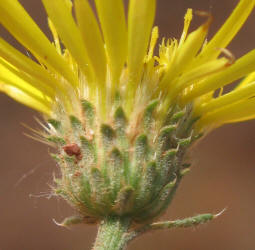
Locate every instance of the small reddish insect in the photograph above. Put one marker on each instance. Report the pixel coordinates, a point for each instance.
(73, 149)
(77, 174)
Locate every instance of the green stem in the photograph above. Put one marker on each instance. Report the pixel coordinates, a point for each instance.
(112, 234)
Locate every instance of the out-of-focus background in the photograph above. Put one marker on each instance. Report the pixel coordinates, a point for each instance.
(222, 176)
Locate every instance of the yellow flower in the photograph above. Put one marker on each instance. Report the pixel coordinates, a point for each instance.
(119, 62)
(121, 115)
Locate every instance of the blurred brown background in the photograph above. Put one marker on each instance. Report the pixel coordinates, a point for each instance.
(223, 173)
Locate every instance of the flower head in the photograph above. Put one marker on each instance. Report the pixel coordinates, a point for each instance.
(121, 116)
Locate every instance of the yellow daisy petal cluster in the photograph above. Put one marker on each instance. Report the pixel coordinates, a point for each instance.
(122, 115)
(101, 60)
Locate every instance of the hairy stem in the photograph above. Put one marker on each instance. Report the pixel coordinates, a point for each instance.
(112, 234)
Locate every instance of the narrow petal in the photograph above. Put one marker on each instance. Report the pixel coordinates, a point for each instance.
(27, 65)
(240, 68)
(92, 37)
(240, 111)
(229, 98)
(10, 78)
(59, 10)
(141, 16)
(22, 97)
(6, 68)
(234, 96)
(186, 53)
(22, 91)
(250, 78)
(55, 36)
(17, 21)
(228, 31)
(112, 19)
(198, 73)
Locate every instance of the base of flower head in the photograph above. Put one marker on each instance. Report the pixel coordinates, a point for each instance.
(125, 167)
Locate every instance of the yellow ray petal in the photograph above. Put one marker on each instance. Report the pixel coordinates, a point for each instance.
(186, 53)
(6, 69)
(240, 111)
(250, 78)
(27, 65)
(10, 78)
(197, 73)
(92, 37)
(141, 16)
(112, 19)
(240, 68)
(228, 31)
(55, 36)
(20, 96)
(236, 95)
(22, 91)
(59, 10)
(17, 21)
